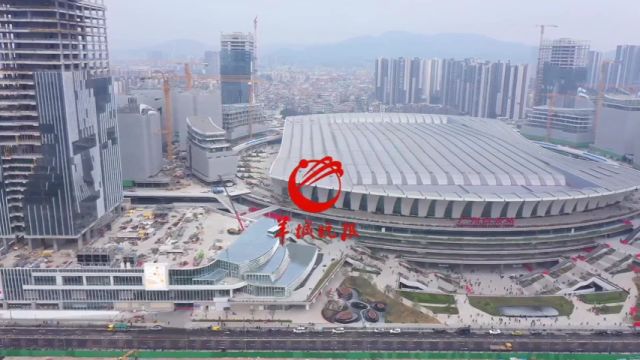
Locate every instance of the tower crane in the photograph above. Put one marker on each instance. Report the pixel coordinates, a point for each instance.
(540, 79)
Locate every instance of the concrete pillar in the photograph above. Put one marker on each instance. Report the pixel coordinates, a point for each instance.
(6, 244)
(30, 241)
(80, 241)
(372, 202)
(55, 244)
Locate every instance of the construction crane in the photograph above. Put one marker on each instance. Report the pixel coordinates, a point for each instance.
(539, 79)
(233, 207)
(188, 76)
(168, 116)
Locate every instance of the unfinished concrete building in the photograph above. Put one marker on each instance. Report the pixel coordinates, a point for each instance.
(60, 163)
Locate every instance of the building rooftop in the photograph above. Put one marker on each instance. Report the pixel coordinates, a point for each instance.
(254, 242)
(301, 255)
(204, 125)
(441, 157)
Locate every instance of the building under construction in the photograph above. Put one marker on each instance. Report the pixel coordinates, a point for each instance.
(60, 162)
(563, 66)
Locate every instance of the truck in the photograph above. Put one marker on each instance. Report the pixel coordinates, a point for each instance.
(119, 326)
(502, 347)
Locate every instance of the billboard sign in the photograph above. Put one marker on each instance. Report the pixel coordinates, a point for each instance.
(156, 276)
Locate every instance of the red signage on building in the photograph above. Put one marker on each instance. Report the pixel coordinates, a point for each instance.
(486, 222)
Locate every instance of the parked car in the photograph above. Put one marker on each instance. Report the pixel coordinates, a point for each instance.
(300, 330)
(339, 330)
(495, 332)
(395, 331)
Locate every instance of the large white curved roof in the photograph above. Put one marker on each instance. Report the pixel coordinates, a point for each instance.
(442, 157)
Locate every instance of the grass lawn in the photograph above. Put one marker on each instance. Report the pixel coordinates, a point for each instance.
(451, 310)
(326, 274)
(430, 298)
(610, 297)
(490, 304)
(608, 309)
(397, 312)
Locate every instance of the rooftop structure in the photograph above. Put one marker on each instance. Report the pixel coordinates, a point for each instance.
(440, 158)
(450, 189)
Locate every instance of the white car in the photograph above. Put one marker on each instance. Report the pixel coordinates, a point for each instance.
(300, 330)
(395, 331)
(378, 330)
(339, 330)
(495, 332)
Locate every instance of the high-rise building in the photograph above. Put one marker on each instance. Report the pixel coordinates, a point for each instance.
(140, 140)
(564, 69)
(627, 64)
(382, 79)
(468, 86)
(236, 67)
(594, 69)
(60, 174)
(212, 63)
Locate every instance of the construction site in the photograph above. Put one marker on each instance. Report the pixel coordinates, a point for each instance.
(182, 235)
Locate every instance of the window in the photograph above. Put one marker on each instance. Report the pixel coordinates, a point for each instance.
(44, 280)
(127, 280)
(98, 280)
(72, 280)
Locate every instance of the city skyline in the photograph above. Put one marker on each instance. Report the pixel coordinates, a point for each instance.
(577, 19)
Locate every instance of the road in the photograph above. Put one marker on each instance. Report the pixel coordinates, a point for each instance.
(203, 339)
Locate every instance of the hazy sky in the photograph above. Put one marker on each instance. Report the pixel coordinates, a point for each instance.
(605, 23)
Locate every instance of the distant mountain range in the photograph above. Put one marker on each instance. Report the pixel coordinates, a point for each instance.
(359, 50)
(176, 49)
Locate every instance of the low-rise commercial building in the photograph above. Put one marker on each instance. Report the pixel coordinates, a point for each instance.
(255, 266)
(568, 126)
(209, 154)
(618, 129)
(243, 120)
